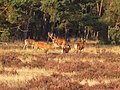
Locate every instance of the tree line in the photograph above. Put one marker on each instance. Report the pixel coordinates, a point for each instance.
(90, 19)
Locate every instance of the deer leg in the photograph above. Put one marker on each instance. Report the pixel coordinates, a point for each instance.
(24, 47)
(77, 51)
(46, 51)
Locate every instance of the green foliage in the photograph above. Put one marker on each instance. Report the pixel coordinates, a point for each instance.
(114, 35)
(5, 34)
(19, 2)
(62, 11)
(59, 15)
(101, 42)
(90, 20)
(50, 7)
(113, 12)
(11, 14)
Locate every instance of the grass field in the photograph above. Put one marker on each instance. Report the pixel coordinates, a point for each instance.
(95, 68)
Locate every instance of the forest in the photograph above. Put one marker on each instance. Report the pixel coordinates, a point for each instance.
(90, 19)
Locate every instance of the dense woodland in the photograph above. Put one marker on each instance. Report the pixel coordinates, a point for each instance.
(89, 19)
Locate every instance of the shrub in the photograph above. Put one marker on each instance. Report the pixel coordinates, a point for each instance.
(4, 34)
(114, 35)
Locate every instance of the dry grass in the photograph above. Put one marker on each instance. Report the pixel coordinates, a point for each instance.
(23, 76)
(96, 67)
(103, 48)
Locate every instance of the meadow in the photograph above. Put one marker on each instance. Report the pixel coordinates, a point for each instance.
(97, 67)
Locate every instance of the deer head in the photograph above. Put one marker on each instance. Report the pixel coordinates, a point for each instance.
(59, 41)
(66, 48)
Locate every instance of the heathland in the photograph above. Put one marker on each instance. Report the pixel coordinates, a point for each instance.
(96, 67)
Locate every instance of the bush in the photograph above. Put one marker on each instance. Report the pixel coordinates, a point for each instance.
(103, 42)
(114, 35)
(4, 35)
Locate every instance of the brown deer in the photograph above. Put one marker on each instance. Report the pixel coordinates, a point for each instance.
(59, 41)
(43, 46)
(79, 46)
(66, 48)
(28, 42)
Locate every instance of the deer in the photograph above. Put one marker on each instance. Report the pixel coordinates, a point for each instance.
(66, 49)
(79, 46)
(43, 46)
(55, 40)
(28, 42)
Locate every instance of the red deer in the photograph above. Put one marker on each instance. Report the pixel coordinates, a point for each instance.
(79, 46)
(59, 41)
(28, 42)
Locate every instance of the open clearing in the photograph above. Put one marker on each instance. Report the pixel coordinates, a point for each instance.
(95, 68)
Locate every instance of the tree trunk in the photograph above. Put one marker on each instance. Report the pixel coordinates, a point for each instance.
(97, 8)
(101, 6)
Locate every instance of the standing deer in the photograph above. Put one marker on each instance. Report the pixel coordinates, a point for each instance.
(59, 41)
(43, 46)
(66, 48)
(79, 46)
(28, 42)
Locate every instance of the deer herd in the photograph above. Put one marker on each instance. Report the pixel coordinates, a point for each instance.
(56, 42)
